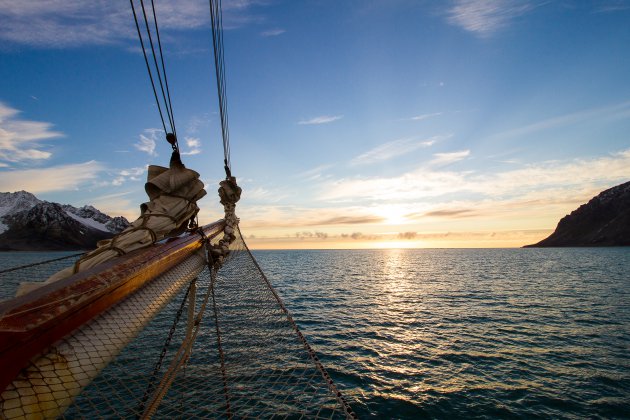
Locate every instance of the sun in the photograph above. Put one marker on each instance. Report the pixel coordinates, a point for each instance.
(392, 214)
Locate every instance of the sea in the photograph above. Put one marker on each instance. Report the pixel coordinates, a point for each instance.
(461, 333)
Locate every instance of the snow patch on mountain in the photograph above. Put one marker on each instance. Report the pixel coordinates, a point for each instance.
(11, 203)
(88, 222)
(15, 202)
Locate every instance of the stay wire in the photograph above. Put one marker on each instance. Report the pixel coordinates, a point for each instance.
(219, 62)
(146, 60)
(222, 91)
(155, 62)
(222, 49)
(168, 93)
(217, 43)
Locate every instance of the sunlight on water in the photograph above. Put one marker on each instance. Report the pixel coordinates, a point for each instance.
(466, 333)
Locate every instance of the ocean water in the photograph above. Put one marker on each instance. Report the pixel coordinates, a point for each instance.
(453, 333)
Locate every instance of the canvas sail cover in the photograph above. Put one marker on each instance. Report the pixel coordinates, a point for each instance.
(173, 194)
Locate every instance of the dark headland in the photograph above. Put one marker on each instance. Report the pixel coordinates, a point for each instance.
(603, 221)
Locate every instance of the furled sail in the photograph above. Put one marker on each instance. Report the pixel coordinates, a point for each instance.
(173, 194)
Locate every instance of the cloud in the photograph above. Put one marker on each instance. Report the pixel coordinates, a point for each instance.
(426, 182)
(449, 213)
(485, 17)
(311, 235)
(393, 149)
(56, 178)
(324, 119)
(346, 220)
(407, 235)
(131, 174)
(194, 146)
(147, 144)
(441, 159)
(73, 23)
(19, 139)
(294, 217)
(611, 112)
(612, 6)
(195, 122)
(272, 32)
(425, 116)
(315, 173)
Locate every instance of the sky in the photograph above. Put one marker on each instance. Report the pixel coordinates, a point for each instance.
(353, 123)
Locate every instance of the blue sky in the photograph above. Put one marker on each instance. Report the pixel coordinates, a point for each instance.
(353, 123)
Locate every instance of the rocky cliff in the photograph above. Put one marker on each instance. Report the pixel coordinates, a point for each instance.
(603, 221)
(27, 223)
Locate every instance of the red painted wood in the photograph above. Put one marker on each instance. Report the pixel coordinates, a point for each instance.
(34, 321)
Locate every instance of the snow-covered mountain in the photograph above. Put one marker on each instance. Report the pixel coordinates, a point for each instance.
(27, 223)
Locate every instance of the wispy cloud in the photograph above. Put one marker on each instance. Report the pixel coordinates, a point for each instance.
(131, 174)
(56, 178)
(450, 213)
(428, 182)
(195, 122)
(612, 6)
(611, 112)
(324, 119)
(147, 142)
(441, 159)
(346, 220)
(194, 146)
(422, 117)
(272, 32)
(19, 138)
(292, 217)
(71, 23)
(485, 17)
(315, 173)
(393, 149)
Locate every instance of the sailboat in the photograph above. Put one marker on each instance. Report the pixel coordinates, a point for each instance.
(168, 318)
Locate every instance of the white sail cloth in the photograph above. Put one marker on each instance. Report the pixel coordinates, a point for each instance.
(173, 193)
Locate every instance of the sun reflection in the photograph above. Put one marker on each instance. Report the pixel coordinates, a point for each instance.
(400, 244)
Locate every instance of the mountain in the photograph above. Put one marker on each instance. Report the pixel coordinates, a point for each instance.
(603, 221)
(30, 224)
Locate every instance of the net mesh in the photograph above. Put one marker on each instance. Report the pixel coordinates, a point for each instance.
(213, 345)
(21, 266)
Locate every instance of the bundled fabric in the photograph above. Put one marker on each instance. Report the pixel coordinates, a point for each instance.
(173, 194)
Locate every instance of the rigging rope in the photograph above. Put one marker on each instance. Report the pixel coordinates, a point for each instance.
(219, 68)
(171, 136)
(8, 270)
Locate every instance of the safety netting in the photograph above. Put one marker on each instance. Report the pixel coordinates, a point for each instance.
(197, 342)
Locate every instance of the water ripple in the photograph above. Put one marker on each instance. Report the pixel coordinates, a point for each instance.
(528, 333)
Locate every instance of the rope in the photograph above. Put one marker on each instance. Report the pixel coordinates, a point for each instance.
(179, 360)
(213, 278)
(8, 270)
(171, 135)
(219, 69)
(167, 342)
(331, 385)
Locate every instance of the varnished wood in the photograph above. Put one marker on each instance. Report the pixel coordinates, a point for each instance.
(36, 320)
